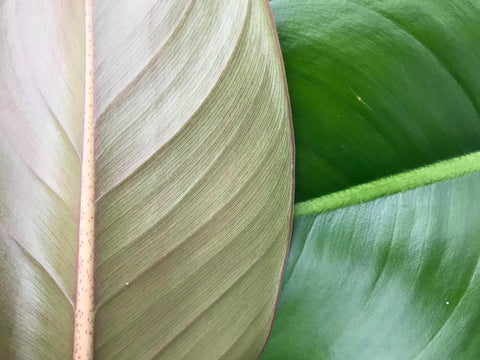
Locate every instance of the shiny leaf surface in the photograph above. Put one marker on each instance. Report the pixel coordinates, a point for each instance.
(378, 86)
(193, 186)
(386, 265)
(393, 278)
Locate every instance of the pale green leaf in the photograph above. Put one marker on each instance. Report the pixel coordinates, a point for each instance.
(193, 149)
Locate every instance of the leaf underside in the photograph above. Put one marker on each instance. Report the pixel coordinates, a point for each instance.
(194, 180)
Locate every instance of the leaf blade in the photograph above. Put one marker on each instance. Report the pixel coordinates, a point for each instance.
(375, 93)
(199, 201)
(400, 270)
(224, 157)
(40, 135)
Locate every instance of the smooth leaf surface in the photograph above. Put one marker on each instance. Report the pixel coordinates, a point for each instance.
(389, 268)
(194, 164)
(378, 86)
(393, 278)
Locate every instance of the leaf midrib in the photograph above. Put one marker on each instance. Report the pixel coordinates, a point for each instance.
(437, 172)
(84, 293)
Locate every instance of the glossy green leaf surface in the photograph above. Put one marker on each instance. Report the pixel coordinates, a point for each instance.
(386, 265)
(378, 86)
(193, 186)
(393, 278)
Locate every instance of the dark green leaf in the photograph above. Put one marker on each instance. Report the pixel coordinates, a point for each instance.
(394, 278)
(379, 86)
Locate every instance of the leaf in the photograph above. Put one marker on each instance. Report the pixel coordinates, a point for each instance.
(193, 178)
(378, 86)
(384, 265)
(393, 278)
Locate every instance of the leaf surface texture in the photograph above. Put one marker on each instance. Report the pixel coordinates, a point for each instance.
(194, 165)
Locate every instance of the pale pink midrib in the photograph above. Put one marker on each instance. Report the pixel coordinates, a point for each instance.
(84, 302)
